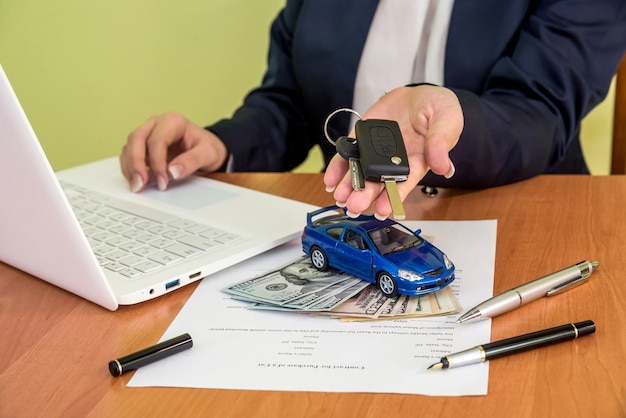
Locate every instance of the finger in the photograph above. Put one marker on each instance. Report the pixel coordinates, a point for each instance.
(359, 201)
(335, 172)
(136, 180)
(382, 207)
(133, 156)
(167, 130)
(343, 190)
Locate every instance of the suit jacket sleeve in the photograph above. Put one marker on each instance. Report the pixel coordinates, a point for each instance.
(256, 134)
(313, 59)
(525, 84)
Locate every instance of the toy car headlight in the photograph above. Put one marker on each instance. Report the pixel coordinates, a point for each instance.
(409, 275)
(447, 262)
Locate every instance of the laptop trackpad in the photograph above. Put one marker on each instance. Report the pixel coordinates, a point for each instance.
(188, 195)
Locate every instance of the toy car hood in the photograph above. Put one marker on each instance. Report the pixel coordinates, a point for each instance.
(417, 259)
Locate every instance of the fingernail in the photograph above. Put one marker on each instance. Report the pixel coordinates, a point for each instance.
(352, 214)
(136, 184)
(175, 171)
(451, 171)
(330, 189)
(161, 183)
(380, 217)
(341, 205)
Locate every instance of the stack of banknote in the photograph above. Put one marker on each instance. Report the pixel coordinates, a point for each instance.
(300, 287)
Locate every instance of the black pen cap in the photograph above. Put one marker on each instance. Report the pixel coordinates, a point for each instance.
(149, 355)
(585, 328)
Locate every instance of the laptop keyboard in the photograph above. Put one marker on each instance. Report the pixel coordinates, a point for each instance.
(133, 240)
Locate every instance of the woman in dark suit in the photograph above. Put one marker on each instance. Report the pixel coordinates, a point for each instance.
(507, 85)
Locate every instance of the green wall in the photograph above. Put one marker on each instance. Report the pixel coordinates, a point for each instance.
(88, 72)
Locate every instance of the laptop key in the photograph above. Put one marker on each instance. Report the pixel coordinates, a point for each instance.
(183, 250)
(147, 266)
(175, 234)
(201, 243)
(212, 233)
(114, 266)
(132, 246)
(130, 273)
(131, 260)
(116, 255)
(181, 223)
(145, 251)
(197, 228)
(227, 238)
(161, 242)
(164, 257)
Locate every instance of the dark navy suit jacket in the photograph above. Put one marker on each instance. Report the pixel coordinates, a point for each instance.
(525, 72)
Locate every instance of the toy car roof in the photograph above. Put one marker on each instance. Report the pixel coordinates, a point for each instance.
(365, 222)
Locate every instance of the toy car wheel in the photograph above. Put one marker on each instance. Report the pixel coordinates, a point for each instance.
(387, 284)
(319, 259)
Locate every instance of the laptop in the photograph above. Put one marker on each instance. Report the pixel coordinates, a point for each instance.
(72, 228)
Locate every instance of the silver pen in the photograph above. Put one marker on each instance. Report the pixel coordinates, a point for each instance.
(550, 285)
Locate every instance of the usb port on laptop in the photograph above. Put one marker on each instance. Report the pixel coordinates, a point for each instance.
(171, 284)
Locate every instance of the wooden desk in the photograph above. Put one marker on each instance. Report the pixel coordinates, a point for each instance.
(55, 346)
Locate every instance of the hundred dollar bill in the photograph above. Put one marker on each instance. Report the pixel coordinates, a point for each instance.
(322, 301)
(289, 283)
(313, 301)
(335, 299)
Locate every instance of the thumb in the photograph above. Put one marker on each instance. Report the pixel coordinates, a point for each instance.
(436, 150)
(442, 135)
(205, 152)
(181, 166)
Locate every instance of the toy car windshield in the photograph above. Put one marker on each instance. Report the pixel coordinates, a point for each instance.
(394, 238)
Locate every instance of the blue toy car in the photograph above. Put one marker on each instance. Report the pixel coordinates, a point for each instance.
(385, 252)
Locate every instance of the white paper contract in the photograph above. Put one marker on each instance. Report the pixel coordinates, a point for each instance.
(239, 348)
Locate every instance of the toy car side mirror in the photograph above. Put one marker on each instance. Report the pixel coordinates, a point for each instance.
(418, 231)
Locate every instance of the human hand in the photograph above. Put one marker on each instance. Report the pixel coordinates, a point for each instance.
(431, 122)
(167, 146)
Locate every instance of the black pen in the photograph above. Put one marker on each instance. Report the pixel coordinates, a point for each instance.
(482, 353)
(149, 355)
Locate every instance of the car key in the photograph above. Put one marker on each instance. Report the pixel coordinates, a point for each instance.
(383, 157)
(348, 149)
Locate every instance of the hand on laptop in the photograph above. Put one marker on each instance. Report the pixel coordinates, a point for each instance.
(431, 121)
(169, 146)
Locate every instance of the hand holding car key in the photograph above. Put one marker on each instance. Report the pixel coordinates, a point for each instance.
(377, 154)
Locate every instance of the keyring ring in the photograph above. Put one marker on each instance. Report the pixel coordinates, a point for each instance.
(343, 109)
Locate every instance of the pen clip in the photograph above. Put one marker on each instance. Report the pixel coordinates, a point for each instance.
(564, 287)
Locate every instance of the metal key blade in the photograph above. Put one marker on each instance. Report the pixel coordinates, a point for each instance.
(356, 174)
(394, 197)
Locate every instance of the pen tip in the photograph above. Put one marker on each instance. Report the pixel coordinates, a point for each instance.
(469, 315)
(436, 366)
(595, 265)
